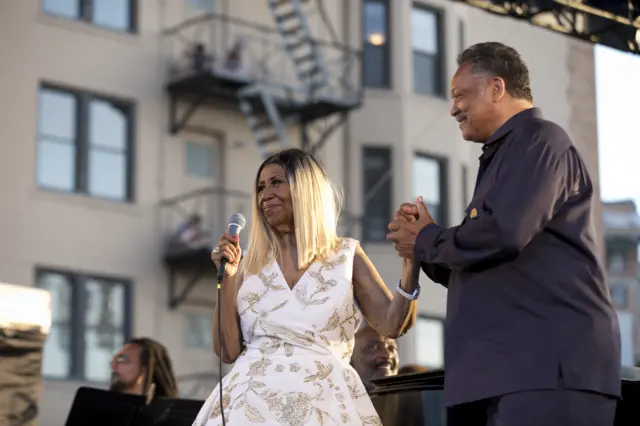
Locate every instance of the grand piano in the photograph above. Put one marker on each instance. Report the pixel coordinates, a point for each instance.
(417, 400)
(405, 400)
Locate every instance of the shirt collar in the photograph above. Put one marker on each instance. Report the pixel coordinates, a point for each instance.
(491, 145)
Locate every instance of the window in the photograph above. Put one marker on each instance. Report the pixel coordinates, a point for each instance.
(90, 322)
(118, 15)
(429, 177)
(465, 189)
(376, 164)
(461, 36)
(619, 295)
(84, 144)
(199, 159)
(429, 335)
(208, 6)
(199, 330)
(427, 47)
(375, 49)
(616, 263)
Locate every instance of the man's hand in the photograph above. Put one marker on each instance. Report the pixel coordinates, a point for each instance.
(410, 220)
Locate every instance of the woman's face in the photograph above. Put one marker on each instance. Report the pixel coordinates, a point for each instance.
(274, 197)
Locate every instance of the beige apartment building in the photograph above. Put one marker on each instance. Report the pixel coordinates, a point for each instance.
(113, 135)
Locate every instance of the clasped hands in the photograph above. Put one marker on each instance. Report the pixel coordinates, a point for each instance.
(409, 220)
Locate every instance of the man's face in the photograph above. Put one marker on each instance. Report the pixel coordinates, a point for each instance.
(374, 356)
(475, 106)
(126, 371)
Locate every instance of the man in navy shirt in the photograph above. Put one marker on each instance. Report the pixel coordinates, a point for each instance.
(530, 333)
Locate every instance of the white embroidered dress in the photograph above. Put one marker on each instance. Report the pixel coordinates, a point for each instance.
(295, 369)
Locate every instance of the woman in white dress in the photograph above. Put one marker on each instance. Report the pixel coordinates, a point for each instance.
(291, 309)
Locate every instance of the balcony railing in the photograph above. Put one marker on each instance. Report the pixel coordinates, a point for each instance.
(262, 57)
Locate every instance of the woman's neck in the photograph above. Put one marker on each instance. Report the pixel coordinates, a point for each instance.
(287, 241)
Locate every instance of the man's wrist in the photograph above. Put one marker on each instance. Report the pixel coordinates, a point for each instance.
(423, 240)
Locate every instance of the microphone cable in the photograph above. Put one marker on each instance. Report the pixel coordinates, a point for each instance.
(221, 273)
(236, 223)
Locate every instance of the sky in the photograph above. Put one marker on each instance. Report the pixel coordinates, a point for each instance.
(618, 106)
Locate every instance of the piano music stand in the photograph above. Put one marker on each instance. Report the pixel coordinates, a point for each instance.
(169, 412)
(97, 407)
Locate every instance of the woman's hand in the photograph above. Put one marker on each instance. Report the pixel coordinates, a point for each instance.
(408, 212)
(228, 248)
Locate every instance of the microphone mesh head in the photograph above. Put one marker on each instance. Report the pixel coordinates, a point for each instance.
(239, 220)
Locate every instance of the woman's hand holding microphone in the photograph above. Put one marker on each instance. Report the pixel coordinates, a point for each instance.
(228, 248)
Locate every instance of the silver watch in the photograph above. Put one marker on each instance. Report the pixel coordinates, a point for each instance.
(406, 295)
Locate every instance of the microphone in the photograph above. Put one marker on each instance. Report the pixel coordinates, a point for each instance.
(237, 222)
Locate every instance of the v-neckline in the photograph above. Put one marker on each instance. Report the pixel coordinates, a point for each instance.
(284, 278)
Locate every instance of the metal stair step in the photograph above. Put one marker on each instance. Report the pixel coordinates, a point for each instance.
(287, 16)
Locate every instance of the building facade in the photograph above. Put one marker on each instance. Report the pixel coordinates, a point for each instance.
(622, 238)
(103, 158)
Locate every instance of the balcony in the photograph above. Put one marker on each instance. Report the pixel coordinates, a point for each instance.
(192, 223)
(220, 60)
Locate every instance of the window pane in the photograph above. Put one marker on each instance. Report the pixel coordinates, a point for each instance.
(426, 183)
(108, 125)
(114, 14)
(429, 335)
(199, 331)
(375, 19)
(56, 165)
(99, 350)
(377, 193)
(424, 31)
(375, 60)
(63, 8)
(199, 160)
(375, 70)
(105, 304)
(56, 361)
(465, 186)
(105, 323)
(204, 5)
(107, 174)
(426, 75)
(426, 179)
(57, 114)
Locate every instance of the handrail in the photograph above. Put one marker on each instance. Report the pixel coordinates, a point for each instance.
(252, 25)
(210, 190)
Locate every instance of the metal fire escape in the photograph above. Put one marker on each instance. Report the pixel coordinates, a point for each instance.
(270, 106)
(279, 77)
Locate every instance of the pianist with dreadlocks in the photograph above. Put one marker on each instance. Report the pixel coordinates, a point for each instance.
(143, 367)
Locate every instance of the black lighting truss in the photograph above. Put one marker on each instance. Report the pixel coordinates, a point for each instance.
(612, 23)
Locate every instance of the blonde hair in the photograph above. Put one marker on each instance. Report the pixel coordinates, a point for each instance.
(316, 208)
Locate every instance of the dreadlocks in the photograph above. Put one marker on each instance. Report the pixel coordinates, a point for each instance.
(159, 379)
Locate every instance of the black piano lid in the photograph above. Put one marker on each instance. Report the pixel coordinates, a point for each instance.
(434, 380)
(431, 380)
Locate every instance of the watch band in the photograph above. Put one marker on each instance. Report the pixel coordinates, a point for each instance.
(406, 295)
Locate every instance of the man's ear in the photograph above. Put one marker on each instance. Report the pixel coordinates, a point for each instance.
(498, 89)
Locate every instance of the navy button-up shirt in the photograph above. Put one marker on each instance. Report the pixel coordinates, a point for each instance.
(528, 306)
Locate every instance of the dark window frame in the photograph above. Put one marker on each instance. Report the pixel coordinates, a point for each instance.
(443, 165)
(84, 15)
(81, 160)
(79, 306)
(387, 49)
(440, 57)
(465, 188)
(462, 33)
(384, 151)
(441, 320)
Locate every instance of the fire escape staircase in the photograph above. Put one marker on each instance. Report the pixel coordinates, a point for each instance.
(259, 103)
